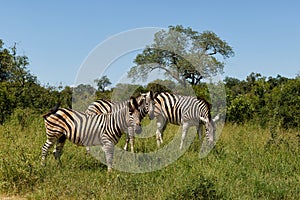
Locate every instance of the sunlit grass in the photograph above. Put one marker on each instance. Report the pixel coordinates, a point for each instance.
(247, 163)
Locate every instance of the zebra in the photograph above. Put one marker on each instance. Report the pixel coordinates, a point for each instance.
(88, 130)
(146, 106)
(182, 110)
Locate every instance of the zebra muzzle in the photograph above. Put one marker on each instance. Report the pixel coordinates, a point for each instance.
(151, 116)
(138, 129)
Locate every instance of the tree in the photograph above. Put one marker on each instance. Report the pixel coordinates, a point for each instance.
(82, 96)
(183, 54)
(284, 104)
(157, 87)
(102, 83)
(124, 91)
(15, 81)
(13, 67)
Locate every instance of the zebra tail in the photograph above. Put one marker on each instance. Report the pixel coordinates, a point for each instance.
(52, 111)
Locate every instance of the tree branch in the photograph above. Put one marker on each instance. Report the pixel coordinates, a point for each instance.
(176, 77)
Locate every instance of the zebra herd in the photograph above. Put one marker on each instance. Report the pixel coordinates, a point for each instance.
(104, 122)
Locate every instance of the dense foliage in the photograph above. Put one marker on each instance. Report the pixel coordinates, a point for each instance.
(20, 90)
(268, 101)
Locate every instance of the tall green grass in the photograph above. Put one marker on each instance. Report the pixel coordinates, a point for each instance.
(247, 163)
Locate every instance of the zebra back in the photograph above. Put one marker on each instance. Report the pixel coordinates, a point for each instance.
(86, 130)
(174, 108)
(100, 106)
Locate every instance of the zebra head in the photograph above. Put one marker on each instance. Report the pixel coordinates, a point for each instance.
(147, 105)
(134, 119)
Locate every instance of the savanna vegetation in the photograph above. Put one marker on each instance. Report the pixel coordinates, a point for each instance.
(256, 156)
(248, 162)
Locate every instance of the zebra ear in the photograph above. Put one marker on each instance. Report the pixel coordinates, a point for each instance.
(151, 95)
(143, 94)
(132, 104)
(155, 94)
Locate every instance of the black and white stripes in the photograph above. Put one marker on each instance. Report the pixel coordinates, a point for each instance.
(182, 110)
(88, 130)
(104, 122)
(146, 106)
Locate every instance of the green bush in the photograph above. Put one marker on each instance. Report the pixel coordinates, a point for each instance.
(198, 188)
(273, 102)
(284, 104)
(240, 109)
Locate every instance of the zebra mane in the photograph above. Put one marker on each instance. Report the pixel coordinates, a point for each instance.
(155, 95)
(207, 104)
(205, 101)
(132, 102)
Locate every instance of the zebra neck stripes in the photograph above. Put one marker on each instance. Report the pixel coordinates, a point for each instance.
(144, 101)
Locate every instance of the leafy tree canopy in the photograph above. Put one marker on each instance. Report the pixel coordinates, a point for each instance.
(13, 67)
(183, 54)
(102, 83)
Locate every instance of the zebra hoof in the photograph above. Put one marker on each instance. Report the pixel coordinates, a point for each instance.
(109, 170)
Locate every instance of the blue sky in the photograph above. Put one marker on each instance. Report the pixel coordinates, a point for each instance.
(58, 36)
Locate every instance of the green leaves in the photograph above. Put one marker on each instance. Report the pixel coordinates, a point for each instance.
(20, 90)
(102, 83)
(183, 54)
(273, 101)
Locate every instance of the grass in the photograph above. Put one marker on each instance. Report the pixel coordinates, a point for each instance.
(247, 163)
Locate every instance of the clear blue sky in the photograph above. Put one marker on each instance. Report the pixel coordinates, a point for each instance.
(57, 36)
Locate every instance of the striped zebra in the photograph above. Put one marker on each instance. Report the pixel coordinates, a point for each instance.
(182, 110)
(89, 130)
(146, 106)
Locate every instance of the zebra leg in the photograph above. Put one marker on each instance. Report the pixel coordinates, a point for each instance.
(160, 128)
(88, 151)
(185, 128)
(108, 149)
(131, 138)
(59, 148)
(210, 133)
(127, 141)
(199, 131)
(159, 140)
(132, 144)
(48, 144)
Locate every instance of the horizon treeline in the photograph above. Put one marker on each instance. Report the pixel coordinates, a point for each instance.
(263, 100)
